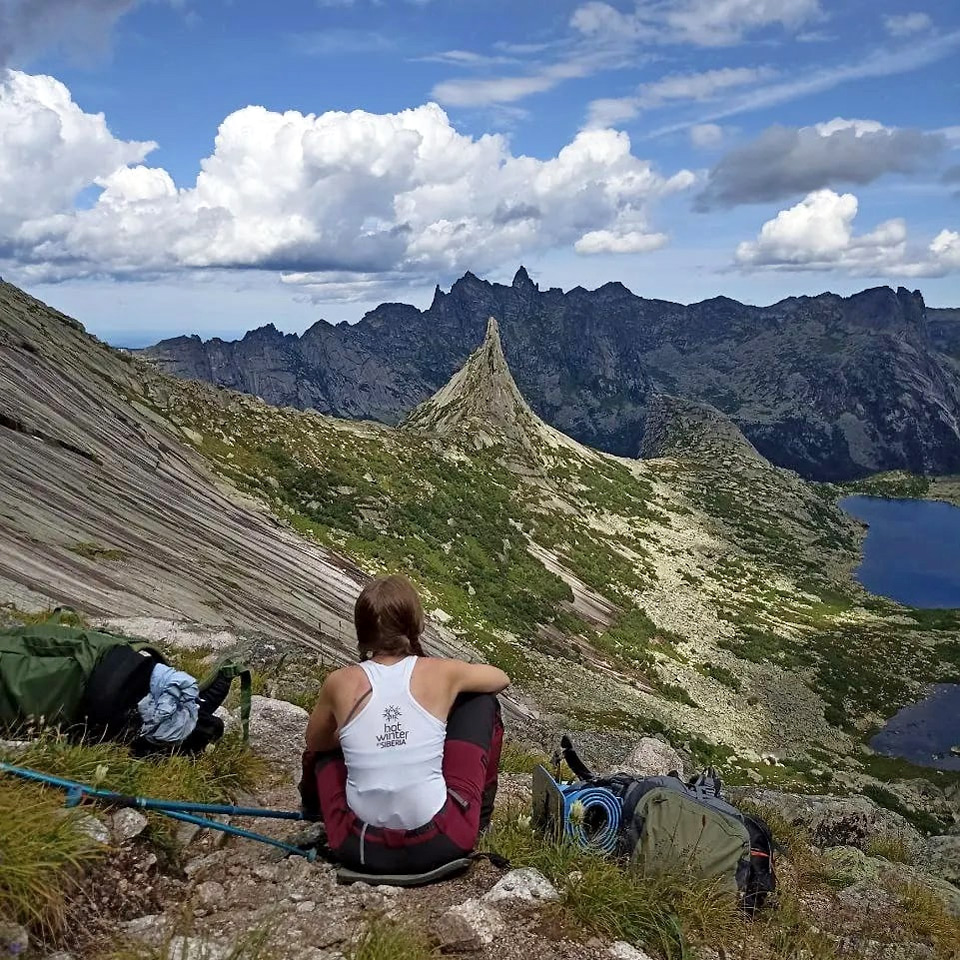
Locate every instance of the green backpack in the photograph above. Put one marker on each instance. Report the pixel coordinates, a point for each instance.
(56, 673)
(75, 677)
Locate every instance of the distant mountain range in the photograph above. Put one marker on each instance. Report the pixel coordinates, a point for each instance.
(833, 387)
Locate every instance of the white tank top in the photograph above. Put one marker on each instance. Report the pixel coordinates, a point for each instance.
(393, 750)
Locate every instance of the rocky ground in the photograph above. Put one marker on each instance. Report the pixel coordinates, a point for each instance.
(227, 899)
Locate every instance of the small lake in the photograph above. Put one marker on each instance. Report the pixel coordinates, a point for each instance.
(912, 555)
(912, 550)
(924, 732)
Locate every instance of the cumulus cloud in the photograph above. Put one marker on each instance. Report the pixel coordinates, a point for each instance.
(50, 149)
(609, 241)
(907, 24)
(786, 161)
(673, 88)
(818, 234)
(706, 23)
(339, 193)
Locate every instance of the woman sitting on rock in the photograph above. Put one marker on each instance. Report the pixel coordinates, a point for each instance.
(402, 749)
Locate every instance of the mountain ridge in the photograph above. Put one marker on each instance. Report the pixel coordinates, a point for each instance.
(833, 387)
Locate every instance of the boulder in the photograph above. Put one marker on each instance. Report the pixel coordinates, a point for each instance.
(851, 865)
(942, 856)
(835, 821)
(868, 878)
(277, 730)
(126, 824)
(652, 758)
(526, 885)
(469, 927)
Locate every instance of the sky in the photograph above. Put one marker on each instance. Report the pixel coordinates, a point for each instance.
(209, 166)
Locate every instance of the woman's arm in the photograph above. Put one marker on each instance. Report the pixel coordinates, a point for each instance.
(322, 731)
(478, 678)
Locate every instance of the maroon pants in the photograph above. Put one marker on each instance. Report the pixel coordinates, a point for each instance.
(471, 759)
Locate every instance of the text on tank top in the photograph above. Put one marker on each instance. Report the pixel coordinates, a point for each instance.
(393, 749)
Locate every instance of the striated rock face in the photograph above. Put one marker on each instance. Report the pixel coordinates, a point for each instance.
(830, 386)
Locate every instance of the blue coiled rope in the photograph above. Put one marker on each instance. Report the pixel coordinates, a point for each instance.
(580, 830)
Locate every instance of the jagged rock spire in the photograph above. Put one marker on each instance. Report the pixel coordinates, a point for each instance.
(482, 402)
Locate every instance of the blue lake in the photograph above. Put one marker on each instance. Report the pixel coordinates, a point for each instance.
(912, 550)
(924, 732)
(912, 555)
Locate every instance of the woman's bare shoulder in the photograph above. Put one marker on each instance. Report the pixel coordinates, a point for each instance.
(346, 676)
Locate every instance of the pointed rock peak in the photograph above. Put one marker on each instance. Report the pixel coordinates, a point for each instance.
(522, 281)
(482, 404)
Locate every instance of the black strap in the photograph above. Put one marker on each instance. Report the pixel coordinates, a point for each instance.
(580, 770)
(501, 863)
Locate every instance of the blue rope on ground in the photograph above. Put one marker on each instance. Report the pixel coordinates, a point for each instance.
(175, 809)
(585, 828)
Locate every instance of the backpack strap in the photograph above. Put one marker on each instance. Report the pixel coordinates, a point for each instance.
(226, 671)
(580, 770)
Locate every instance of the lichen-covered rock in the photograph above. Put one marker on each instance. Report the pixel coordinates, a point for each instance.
(469, 927)
(942, 855)
(836, 821)
(526, 885)
(127, 824)
(652, 758)
(873, 881)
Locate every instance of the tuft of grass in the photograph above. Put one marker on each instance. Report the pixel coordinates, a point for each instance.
(214, 776)
(516, 758)
(64, 616)
(383, 939)
(889, 848)
(924, 917)
(93, 551)
(41, 853)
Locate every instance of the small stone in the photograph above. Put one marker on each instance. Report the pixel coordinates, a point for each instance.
(469, 927)
(94, 829)
(308, 906)
(126, 824)
(621, 950)
(149, 929)
(196, 868)
(210, 893)
(14, 939)
(269, 872)
(522, 886)
(187, 833)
